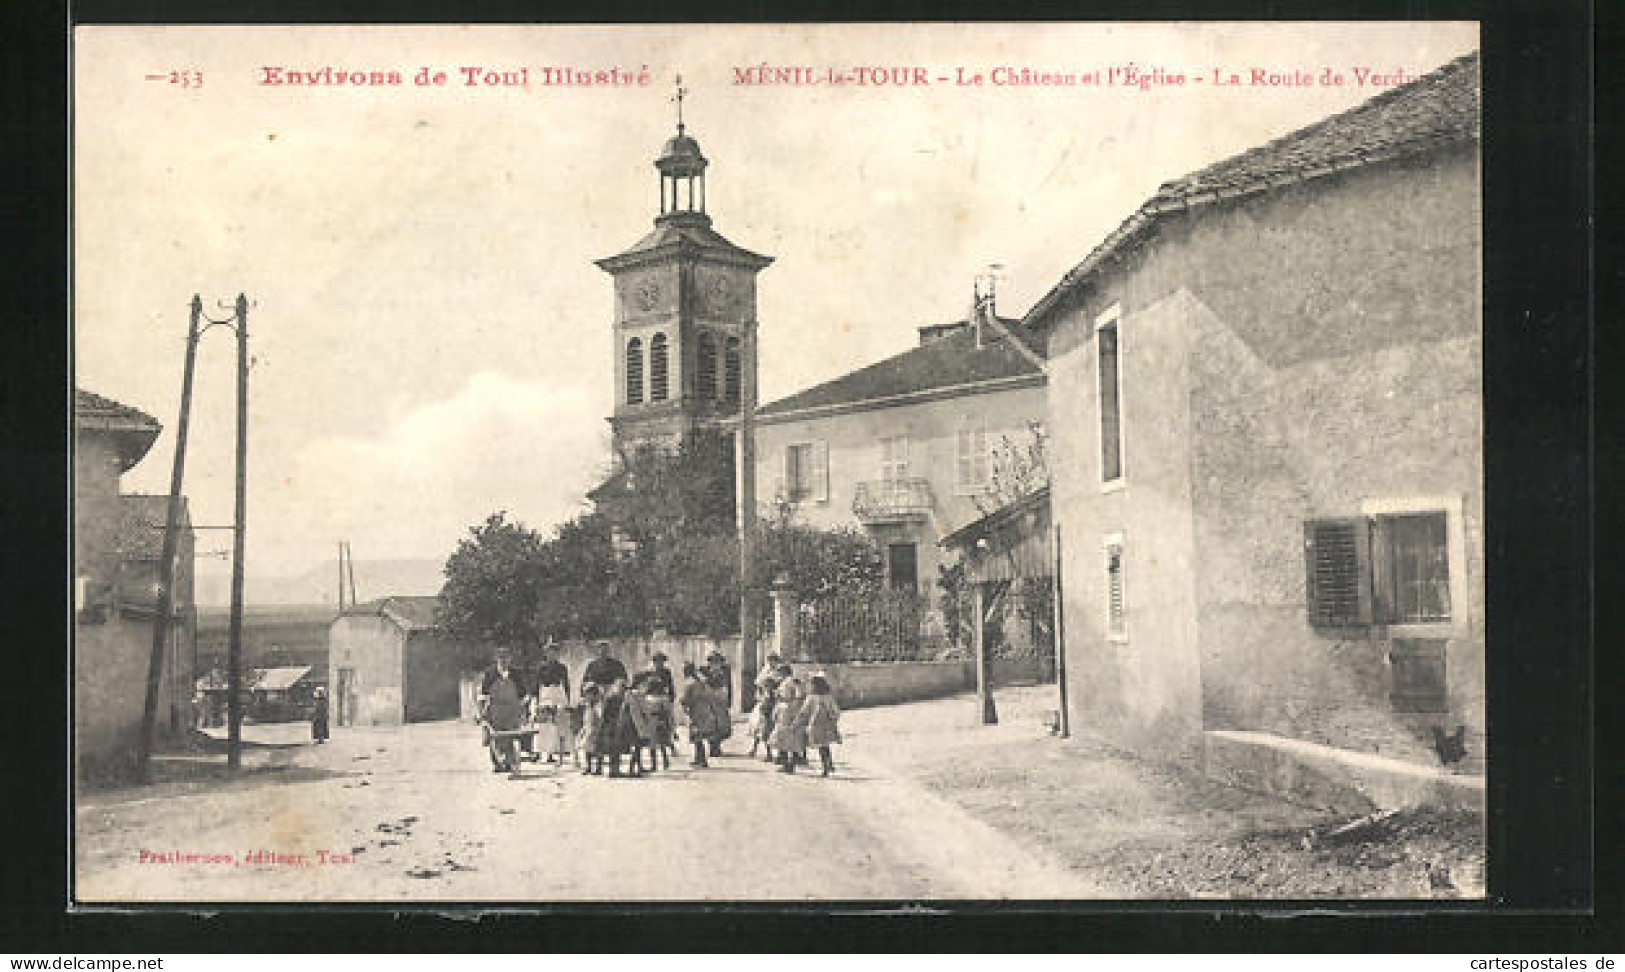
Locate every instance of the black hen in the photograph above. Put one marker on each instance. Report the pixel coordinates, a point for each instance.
(1451, 747)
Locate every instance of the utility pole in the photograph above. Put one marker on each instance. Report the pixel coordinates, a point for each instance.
(234, 665)
(746, 480)
(341, 576)
(349, 558)
(166, 568)
(1060, 636)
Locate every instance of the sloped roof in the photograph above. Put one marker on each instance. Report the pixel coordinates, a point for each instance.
(1439, 109)
(691, 230)
(132, 430)
(257, 679)
(141, 525)
(410, 613)
(937, 365)
(89, 407)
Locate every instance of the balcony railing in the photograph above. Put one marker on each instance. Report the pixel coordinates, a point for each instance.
(892, 500)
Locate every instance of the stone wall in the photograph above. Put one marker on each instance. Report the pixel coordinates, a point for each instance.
(860, 685)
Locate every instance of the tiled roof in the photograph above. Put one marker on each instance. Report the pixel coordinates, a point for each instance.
(141, 525)
(261, 679)
(1439, 109)
(415, 613)
(940, 364)
(91, 407)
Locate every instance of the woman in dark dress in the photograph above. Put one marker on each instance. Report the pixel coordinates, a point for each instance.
(318, 717)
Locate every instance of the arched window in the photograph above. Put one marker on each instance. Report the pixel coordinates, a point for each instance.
(657, 368)
(731, 372)
(705, 371)
(634, 372)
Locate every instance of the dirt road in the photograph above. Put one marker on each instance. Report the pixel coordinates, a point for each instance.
(415, 814)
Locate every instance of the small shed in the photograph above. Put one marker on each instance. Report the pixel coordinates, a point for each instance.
(1009, 561)
(391, 663)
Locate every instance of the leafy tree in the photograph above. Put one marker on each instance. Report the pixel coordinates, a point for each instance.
(661, 550)
(492, 582)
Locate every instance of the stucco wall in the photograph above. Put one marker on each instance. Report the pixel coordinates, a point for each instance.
(855, 453)
(1333, 362)
(1143, 689)
(373, 647)
(113, 647)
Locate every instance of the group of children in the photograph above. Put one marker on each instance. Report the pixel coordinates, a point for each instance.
(792, 717)
(625, 720)
(628, 718)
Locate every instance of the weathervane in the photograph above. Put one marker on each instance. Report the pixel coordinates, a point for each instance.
(678, 98)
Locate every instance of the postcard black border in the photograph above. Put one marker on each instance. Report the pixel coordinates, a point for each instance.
(1539, 372)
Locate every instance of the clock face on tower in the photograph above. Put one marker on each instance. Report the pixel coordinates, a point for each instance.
(648, 295)
(719, 286)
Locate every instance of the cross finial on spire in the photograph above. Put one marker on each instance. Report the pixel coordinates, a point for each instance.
(677, 96)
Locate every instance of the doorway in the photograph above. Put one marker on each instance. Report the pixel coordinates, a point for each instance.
(902, 567)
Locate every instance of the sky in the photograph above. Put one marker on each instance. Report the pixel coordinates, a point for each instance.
(431, 340)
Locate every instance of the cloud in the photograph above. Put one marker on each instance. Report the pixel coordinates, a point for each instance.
(528, 447)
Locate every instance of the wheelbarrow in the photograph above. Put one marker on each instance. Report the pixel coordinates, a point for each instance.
(492, 740)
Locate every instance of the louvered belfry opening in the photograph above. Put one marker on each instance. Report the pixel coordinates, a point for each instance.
(731, 371)
(658, 376)
(705, 371)
(634, 371)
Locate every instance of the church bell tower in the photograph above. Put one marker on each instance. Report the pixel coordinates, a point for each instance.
(684, 300)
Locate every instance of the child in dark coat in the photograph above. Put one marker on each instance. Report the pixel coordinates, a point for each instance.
(592, 724)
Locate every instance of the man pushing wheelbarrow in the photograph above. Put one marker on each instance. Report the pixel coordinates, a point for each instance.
(502, 716)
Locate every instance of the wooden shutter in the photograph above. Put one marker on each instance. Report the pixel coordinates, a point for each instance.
(1337, 561)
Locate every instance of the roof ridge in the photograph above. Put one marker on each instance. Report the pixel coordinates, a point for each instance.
(1201, 186)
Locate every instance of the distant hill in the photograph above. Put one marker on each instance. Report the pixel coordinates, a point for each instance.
(319, 584)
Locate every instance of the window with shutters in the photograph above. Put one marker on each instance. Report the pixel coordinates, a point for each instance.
(973, 459)
(894, 458)
(1338, 572)
(634, 372)
(1116, 603)
(1418, 561)
(806, 472)
(1399, 565)
(731, 371)
(705, 367)
(658, 376)
(798, 471)
(1111, 398)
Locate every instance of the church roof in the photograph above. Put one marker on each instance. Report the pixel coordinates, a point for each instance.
(681, 152)
(690, 231)
(946, 365)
